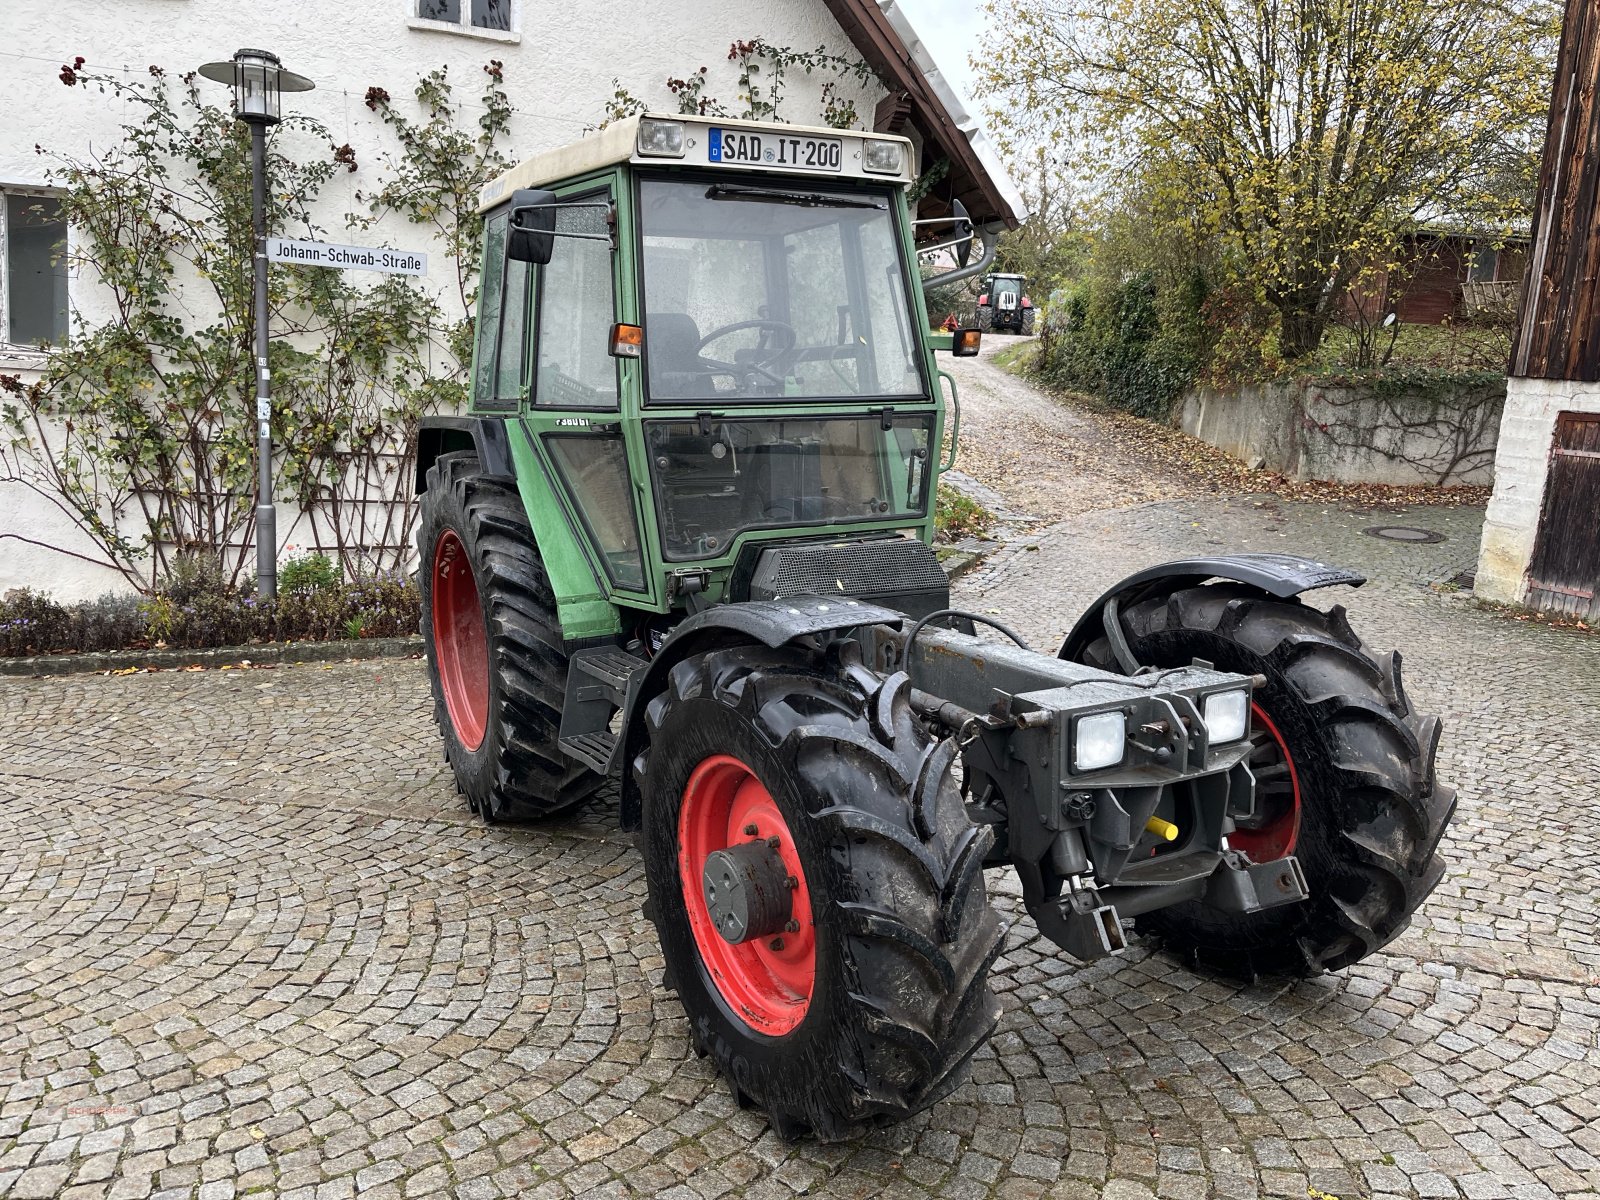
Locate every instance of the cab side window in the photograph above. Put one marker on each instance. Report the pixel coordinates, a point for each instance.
(576, 311)
(510, 382)
(489, 293)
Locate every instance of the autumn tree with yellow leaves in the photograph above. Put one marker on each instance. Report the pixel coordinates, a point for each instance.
(1300, 138)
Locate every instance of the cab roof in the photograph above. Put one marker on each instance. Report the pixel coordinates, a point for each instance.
(619, 143)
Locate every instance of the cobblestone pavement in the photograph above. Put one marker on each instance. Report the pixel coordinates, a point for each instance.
(251, 941)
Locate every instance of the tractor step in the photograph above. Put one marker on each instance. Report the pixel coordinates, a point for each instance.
(598, 680)
(608, 667)
(593, 750)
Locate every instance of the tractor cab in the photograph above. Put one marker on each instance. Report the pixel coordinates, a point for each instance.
(1003, 304)
(710, 334)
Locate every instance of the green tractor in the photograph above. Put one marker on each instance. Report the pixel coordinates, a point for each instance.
(682, 540)
(1004, 305)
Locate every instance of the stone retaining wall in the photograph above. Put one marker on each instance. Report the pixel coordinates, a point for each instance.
(1353, 433)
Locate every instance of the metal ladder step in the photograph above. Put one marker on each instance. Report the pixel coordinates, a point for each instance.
(607, 668)
(593, 750)
(598, 679)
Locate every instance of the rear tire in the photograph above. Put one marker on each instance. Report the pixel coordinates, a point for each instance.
(496, 660)
(873, 1010)
(1346, 779)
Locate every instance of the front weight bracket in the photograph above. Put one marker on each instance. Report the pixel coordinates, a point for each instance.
(1241, 886)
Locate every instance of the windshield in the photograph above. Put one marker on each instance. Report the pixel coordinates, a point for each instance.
(716, 478)
(789, 289)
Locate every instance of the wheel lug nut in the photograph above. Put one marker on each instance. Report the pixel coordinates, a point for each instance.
(774, 841)
(751, 830)
(776, 944)
(791, 883)
(791, 926)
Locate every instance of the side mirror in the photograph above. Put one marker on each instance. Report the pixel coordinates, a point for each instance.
(964, 343)
(963, 231)
(531, 237)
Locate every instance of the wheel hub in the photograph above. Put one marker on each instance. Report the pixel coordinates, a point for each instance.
(745, 893)
(748, 891)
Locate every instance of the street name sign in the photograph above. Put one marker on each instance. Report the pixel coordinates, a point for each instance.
(347, 258)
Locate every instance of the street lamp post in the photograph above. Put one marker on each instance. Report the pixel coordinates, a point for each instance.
(258, 81)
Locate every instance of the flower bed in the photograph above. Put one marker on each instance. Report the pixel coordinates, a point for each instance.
(197, 609)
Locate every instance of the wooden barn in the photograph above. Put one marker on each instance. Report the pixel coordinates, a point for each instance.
(1541, 537)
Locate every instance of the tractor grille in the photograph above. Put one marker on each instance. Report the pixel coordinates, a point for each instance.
(896, 572)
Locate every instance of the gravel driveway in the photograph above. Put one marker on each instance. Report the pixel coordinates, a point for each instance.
(1045, 461)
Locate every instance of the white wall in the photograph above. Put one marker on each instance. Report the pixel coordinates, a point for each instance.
(559, 68)
(1522, 464)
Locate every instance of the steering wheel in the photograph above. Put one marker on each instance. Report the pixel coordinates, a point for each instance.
(786, 331)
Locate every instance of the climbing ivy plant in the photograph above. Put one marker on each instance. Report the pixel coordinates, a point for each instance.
(141, 430)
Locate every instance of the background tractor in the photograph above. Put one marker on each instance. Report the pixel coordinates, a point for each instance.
(682, 539)
(1004, 306)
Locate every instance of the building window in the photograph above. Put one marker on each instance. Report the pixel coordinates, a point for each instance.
(33, 270)
(493, 15)
(1481, 265)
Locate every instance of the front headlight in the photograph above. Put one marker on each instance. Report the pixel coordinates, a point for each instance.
(1098, 741)
(660, 139)
(1227, 715)
(883, 157)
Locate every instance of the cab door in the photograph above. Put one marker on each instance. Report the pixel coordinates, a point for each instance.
(554, 365)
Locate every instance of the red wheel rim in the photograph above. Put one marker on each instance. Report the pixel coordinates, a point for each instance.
(460, 641)
(768, 989)
(1275, 829)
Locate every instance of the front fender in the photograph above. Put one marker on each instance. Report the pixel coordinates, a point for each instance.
(1280, 575)
(767, 622)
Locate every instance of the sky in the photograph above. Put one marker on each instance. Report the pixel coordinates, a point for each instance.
(950, 29)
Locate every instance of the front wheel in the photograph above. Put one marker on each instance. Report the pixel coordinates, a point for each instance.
(1344, 772)
(816, 885)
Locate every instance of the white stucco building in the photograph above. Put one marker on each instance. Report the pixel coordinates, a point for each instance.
(559, 65)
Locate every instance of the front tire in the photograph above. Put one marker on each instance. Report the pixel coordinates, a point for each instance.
(496, 659)
(985, 318)
(1345, 779)
(865, 1004)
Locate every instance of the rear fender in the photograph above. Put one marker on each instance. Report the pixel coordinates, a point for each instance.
(1280, 575)
(582, 605)
(771, 623)
(486, 436)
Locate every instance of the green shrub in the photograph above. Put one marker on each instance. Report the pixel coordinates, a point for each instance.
(1125, 342)
(309, 573)
(956, 515)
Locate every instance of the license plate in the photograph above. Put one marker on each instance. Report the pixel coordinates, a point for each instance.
(733, 147)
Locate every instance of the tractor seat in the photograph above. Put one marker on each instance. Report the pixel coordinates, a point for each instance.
(672, 341)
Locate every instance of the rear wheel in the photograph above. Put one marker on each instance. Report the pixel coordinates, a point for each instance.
(1345, 779)
(816, 885)
(496, 658)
